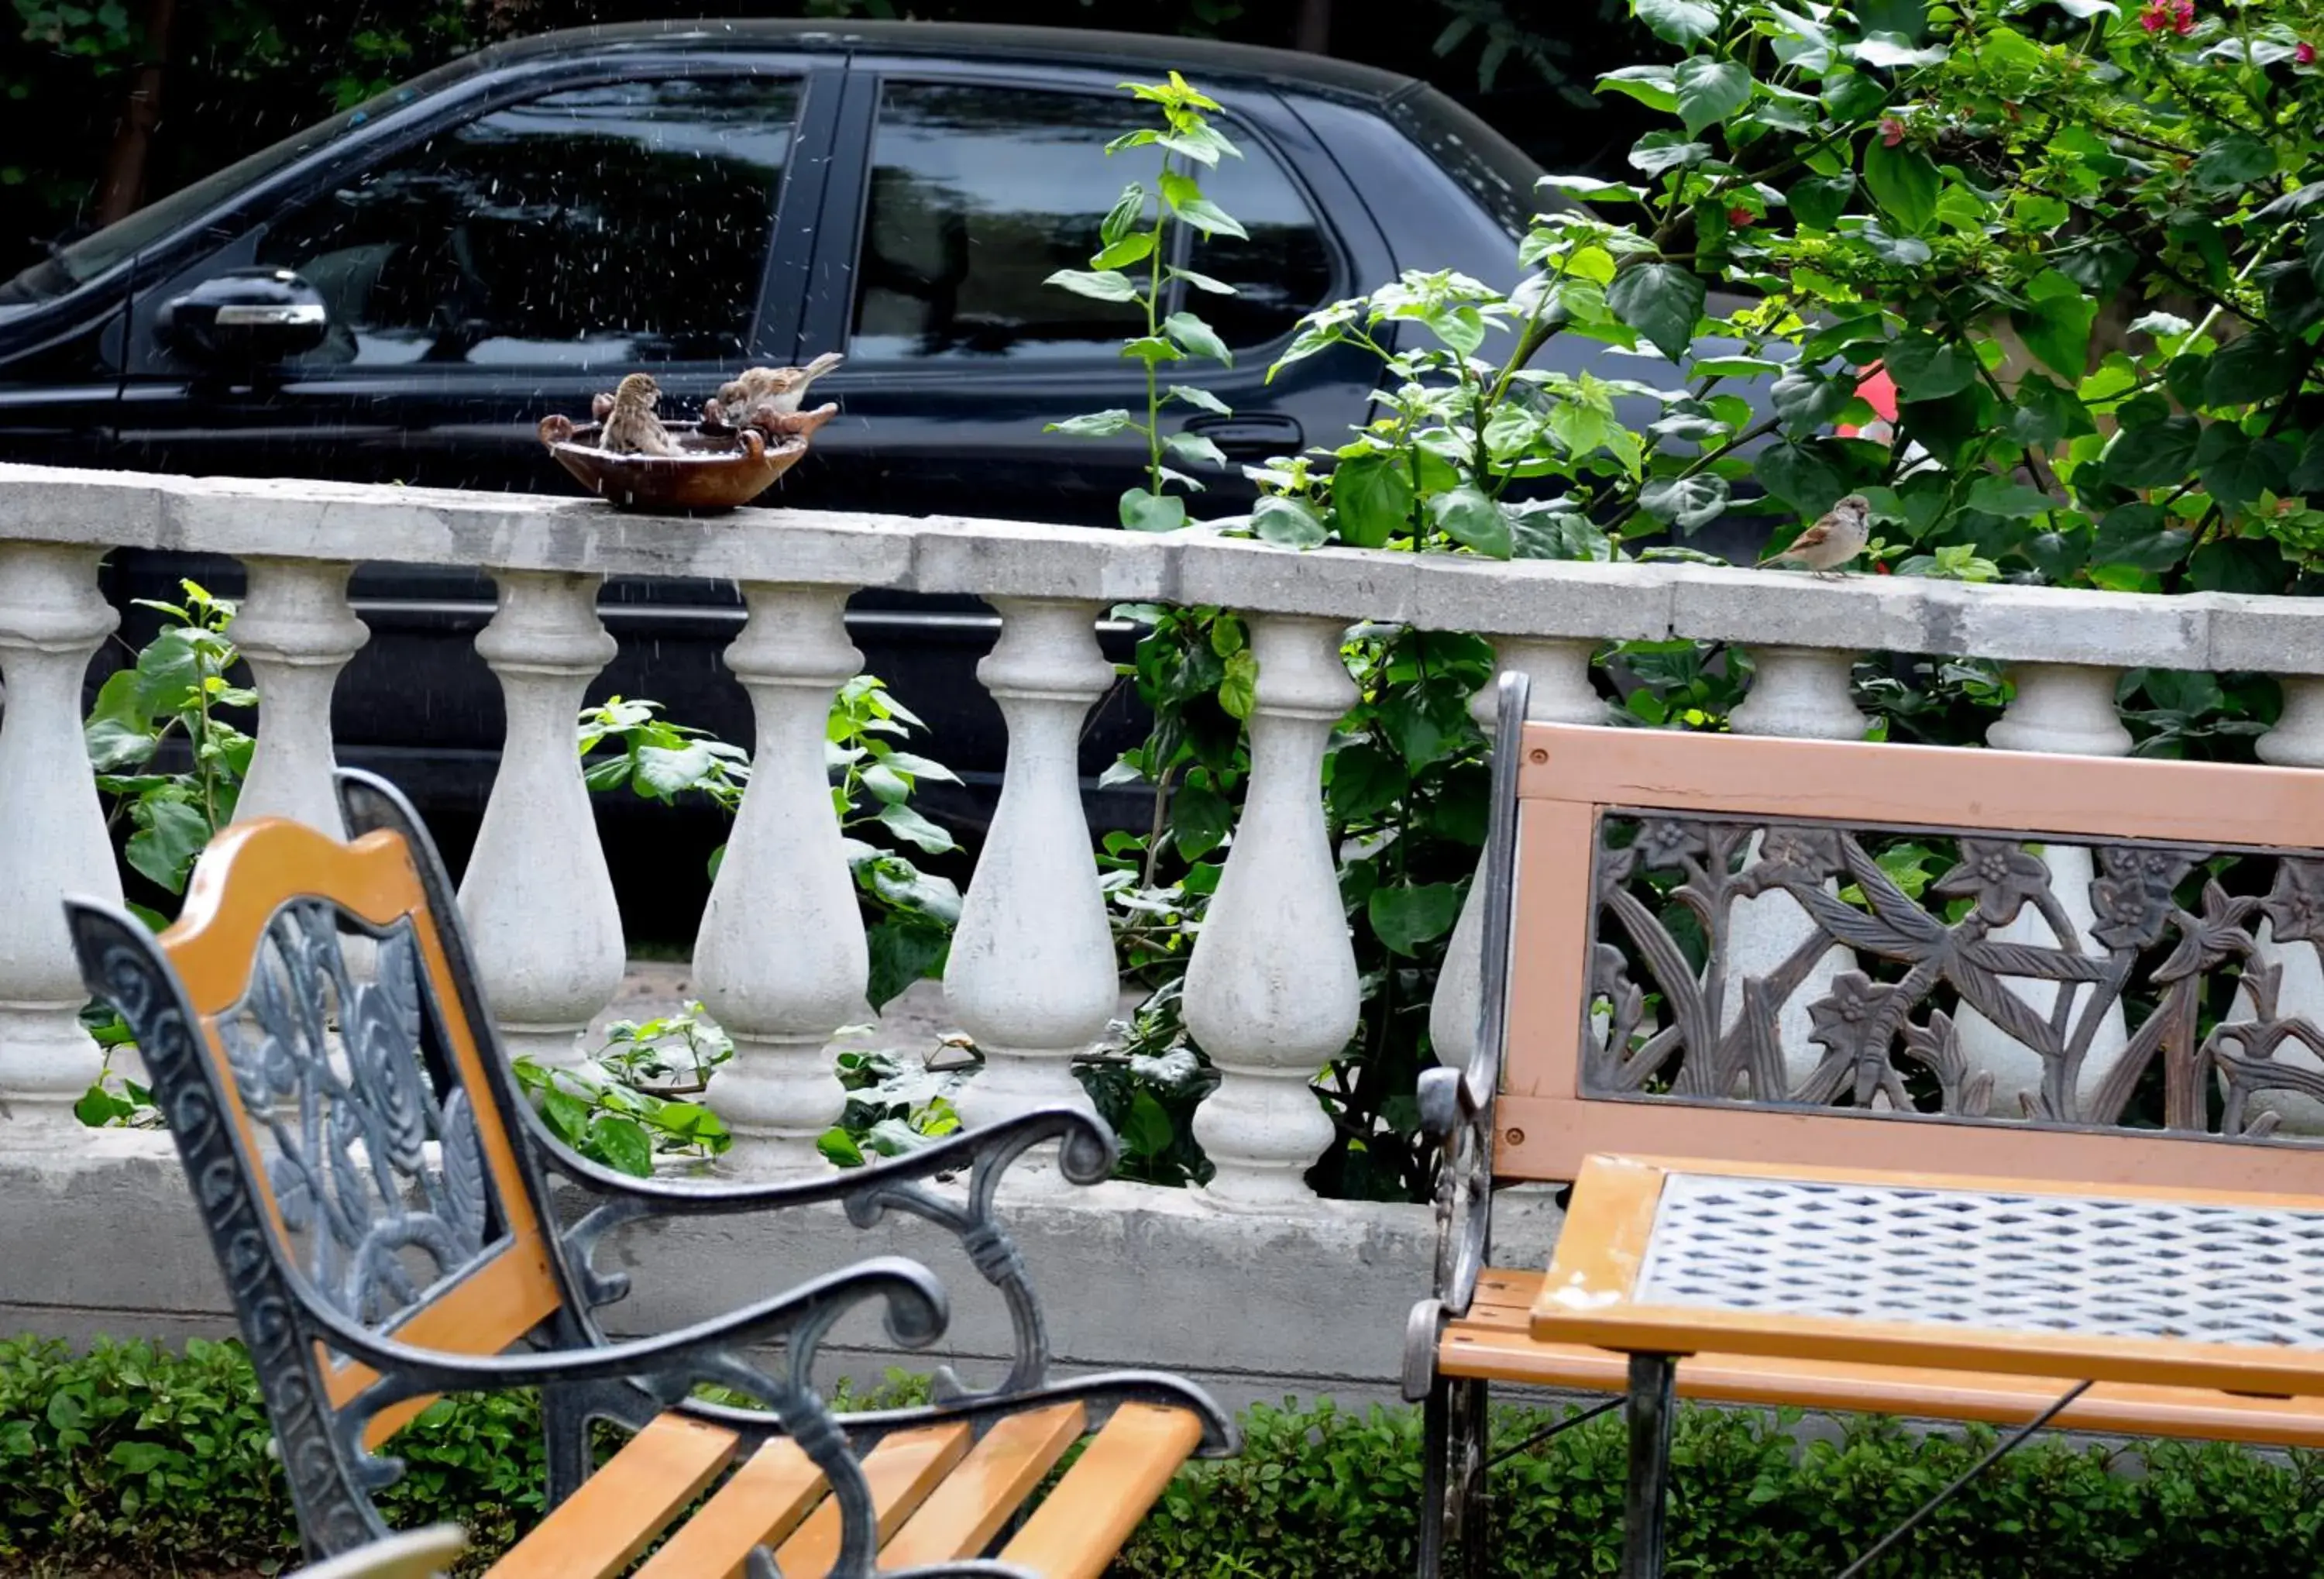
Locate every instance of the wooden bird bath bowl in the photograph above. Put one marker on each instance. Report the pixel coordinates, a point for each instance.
(715, 469)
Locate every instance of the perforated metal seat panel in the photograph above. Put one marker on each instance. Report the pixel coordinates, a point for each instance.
(1997, 1260)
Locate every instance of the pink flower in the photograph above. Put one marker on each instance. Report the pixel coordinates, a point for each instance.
(2303, 54)
(1892, 131)
(2156, 16)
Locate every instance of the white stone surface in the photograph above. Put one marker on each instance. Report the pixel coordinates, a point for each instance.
(2069, 711)
(537, 896)
(1561, 693)
(1271, 990)
(1031, 973)
(1800, 692)
(52, 839)
(296, 632)
(781, 960)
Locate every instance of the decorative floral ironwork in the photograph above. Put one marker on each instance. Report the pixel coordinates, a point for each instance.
(2167, 949)
(347, 1103)
(2000, 874)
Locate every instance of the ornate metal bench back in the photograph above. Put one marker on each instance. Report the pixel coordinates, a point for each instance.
(312, 1032)
(1735, 949)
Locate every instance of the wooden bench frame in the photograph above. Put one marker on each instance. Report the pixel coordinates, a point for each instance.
(376, 1187)
(1522, 1112)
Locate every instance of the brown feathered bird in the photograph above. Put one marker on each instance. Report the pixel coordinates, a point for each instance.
(630, 427)
(762, 393)
(1832, 541)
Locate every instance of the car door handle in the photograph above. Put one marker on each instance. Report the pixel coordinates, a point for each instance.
(1252, 437)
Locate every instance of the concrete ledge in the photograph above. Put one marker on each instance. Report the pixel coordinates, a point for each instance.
(300, 520)
(103, 1238)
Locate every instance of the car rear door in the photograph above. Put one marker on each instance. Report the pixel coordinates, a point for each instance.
(957, 190)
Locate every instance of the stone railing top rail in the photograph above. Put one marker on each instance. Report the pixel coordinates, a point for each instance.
(297, 519)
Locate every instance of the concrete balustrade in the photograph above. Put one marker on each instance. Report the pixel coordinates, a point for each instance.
(1271, 993)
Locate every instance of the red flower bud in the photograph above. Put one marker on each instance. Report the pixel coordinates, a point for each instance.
(1740, 218)
(2303, 54)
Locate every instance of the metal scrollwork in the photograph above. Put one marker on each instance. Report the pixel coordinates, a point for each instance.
(2171, 946)
(348, 1106)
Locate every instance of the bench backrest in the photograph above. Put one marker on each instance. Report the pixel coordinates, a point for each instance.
(1899, 956)
(343, 1113)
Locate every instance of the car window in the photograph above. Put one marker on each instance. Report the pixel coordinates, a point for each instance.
(626, 222)
(1282, 272)
(979, 193)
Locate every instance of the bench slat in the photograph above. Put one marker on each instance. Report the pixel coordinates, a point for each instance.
(1083, 1522)
(1493, 1343)
(761, 1502)
(976, 1500)
(903, 1472)
(618, 1511)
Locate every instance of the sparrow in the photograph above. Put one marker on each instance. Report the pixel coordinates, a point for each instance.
(765, 392)
(1831, 542)
(631, 426)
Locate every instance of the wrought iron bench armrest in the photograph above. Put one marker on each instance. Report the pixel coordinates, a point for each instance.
(1086, 1153)
(1222, 1438)
(916, 1314)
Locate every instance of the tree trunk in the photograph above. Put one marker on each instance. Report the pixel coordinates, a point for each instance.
(122, 192)
(1314, 33)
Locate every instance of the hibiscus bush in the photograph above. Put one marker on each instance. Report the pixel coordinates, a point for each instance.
(2044, 280)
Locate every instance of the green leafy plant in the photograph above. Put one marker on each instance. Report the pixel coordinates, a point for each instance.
(1137, 233)
(894, 1105)
(172, 696)
(628, 743)
(632, 1103)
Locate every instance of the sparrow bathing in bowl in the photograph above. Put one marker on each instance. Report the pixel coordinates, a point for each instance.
(1832, 541)
(631, 426)
(762, 396)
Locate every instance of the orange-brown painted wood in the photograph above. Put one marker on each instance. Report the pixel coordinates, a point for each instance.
(243, 880)
(977, 1498)
(760, 1504)
(1745, 776)
(1077, 1530)
(617, 1511)
(904, 1472)
(1494, 1342)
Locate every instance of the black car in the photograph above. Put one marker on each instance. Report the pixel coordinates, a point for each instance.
(506, 236)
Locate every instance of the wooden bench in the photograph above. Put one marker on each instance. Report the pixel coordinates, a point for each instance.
(376, 1187)
(1840, 1147)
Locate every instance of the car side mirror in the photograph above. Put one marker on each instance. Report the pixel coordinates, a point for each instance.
(246, 318)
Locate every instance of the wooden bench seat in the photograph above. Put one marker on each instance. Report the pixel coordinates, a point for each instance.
(1954, 1084)
(375, 1185)
(1494, 1342)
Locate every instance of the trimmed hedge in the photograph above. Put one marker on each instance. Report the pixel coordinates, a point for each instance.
(157, 1461)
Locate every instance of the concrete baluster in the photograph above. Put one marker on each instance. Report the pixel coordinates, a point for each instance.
(1031, 975)
(2297, 741)
(537, 895)
(1801, 693)
(296, 632)
(1271, 993)
(780, 961)
(2067, 709)
(1561, 694)
(52, 619)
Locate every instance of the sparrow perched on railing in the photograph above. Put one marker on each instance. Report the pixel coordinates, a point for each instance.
(631, 426)
(1832, 541)
(762, 396)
